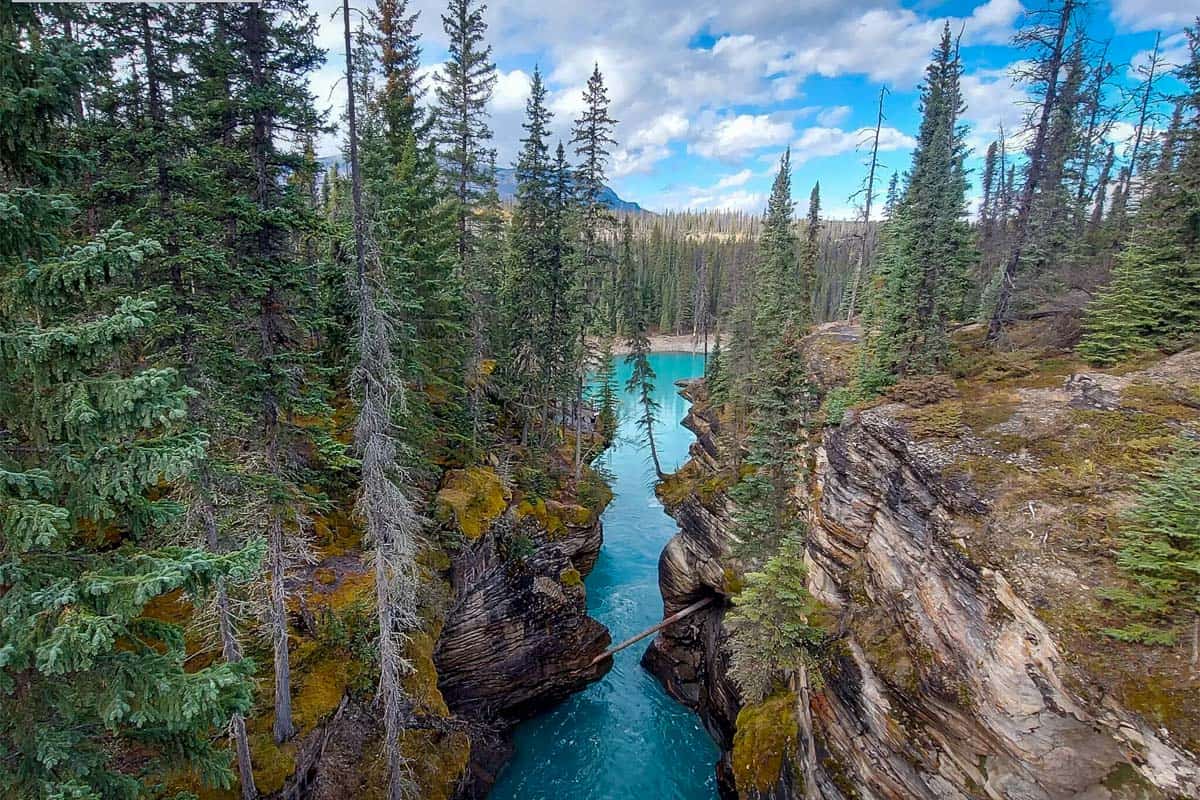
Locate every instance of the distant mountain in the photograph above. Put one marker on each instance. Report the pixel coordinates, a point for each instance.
(506, 183)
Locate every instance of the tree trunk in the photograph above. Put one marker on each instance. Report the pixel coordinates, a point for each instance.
(230, 649)
(860, 266)
(648, 419)
(804, 719)
(1143, 115)
(283, 727)
(1037, 158)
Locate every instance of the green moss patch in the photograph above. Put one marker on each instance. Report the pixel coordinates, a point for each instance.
(473, 497)
(765, 739)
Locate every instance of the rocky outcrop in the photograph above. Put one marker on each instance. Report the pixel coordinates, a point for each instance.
(944, 679)
(689, 658)
(518, 638)
(947, 683)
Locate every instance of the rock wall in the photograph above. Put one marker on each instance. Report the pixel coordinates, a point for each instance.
(517, 638)
(943, 680)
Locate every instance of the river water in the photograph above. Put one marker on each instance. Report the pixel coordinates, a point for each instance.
(623, 738)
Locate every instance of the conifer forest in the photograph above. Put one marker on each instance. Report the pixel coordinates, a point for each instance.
(358, 440)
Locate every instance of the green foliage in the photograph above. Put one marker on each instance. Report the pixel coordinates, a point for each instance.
(606, 391)
(774, 624)
(836, 403)
(1153, 299)
(920, 282)
(716, 375)
(1160, 551)
(93, 442)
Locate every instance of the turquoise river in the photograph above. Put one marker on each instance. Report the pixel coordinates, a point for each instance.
(622, 737)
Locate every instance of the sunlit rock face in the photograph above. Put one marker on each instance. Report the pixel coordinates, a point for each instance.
(945, 679)
(518, 638)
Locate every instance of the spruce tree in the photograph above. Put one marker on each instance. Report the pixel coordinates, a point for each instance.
(1153, 299)
(921, 279)
(637, 339)
(1160, 551)
(774, 298)
(96, 439)
(810, 251)
(464, 88)
(606, 382)
(533, 278)
(592, 136)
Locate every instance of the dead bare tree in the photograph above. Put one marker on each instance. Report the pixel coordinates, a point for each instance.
(392, 522)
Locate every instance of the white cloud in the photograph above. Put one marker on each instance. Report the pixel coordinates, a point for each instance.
(822, 142)
(511, 92)
(739, 200)
(733, 137)
(736, 179)
(835, 115)
(632, 161)
(1149, 15)
(994, 103)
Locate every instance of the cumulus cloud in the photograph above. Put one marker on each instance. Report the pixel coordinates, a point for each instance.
(834, 115)
(738, 200)
(512, 89)
(733, 137)
(994, 103)
(822, 142)
(1149, 15)
(736, 179)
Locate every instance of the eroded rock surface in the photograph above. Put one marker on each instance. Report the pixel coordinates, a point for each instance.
(945, 681)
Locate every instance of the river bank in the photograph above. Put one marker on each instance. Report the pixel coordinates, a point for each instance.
(667, 343)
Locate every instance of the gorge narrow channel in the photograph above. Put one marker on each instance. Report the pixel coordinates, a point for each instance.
(624, 737)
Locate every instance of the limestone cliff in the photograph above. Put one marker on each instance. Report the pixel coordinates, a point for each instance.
(959, 535)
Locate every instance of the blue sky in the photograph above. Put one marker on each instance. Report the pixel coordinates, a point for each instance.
(709, 92)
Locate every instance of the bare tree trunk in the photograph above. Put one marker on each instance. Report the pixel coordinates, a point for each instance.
(1143, 114)
(277, 563)
(392, 522)
(856, 280)
(230, 649)
(1037, 159)
(804, 719)
(1196, 644)
(649, 422)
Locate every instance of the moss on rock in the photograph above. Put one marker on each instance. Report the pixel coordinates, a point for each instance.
(767, 733)
(474, 498)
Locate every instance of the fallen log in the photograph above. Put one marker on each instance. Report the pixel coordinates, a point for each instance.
(671, 620)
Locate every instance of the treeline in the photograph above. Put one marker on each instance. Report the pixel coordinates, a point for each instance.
(207, 342)
(693, 266)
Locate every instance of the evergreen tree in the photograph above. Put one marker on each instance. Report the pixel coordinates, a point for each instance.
(774, 624)
(92, 438)
(1160, 551)
(810, 251)
(534, 283)
(641, 378)
(606, 382)
(263, 302)
(412, 229)
(716, 375)
(1153, 299)
(592, 136)
(774, 300)
(464, 88)
(924, 251)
